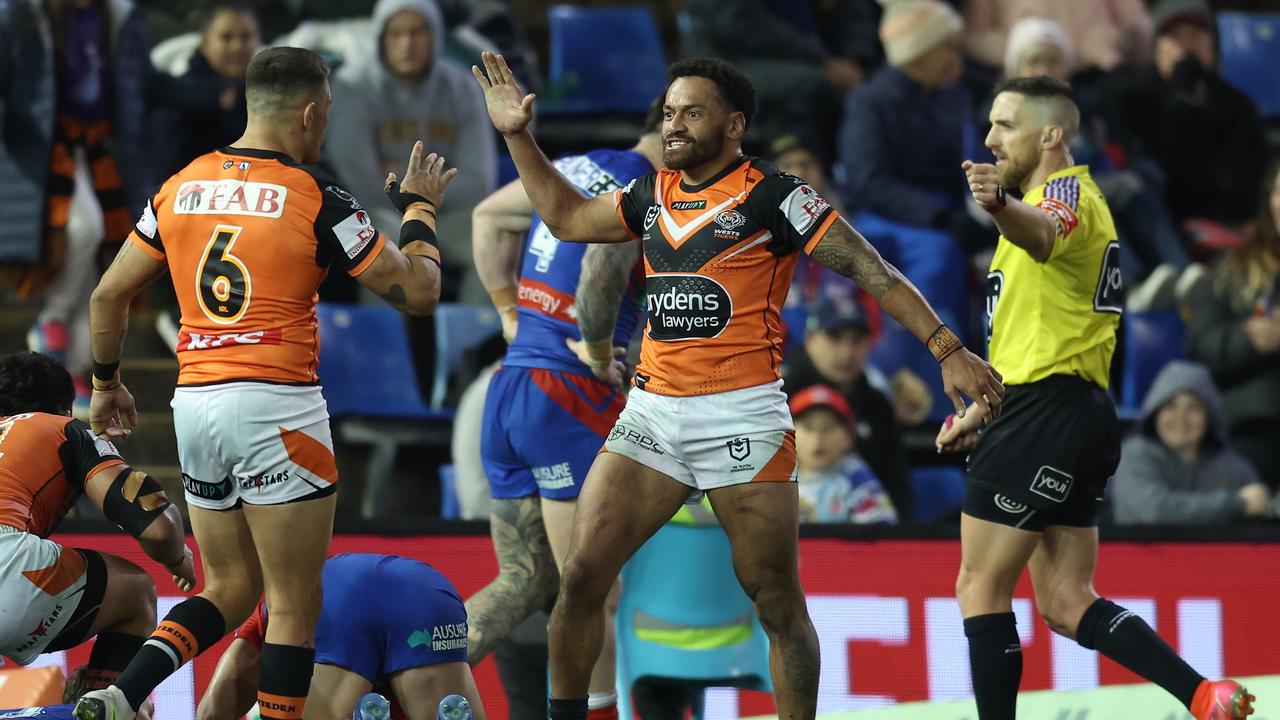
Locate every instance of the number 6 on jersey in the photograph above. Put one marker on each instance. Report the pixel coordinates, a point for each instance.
(223, 286)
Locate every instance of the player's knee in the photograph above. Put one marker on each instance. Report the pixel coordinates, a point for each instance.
(981, 590)
(778, 600)
(235, 597)
(582, 585)
(1062, 609)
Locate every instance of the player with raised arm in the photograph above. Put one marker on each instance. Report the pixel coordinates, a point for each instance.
(56, 597)
(247, 233)
(1036, 475)
(720, 234)
(568, 312)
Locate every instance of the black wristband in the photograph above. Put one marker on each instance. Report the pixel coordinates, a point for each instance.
(105, 372)
(415, 230)
(402, 200)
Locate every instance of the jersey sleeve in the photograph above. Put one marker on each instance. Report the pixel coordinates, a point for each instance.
(1062, 202)
(254, 630)
(344, 230)
(794, 212)
(634, 203)
(84, 455)
(146, 232)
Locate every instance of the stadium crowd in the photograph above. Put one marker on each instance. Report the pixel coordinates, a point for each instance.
(875, 104)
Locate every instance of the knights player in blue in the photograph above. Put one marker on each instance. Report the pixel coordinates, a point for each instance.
(568, 316)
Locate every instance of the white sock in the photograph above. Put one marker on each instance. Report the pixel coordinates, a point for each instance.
(595, 701)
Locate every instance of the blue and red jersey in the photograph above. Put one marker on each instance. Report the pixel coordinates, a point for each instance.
(550, 271)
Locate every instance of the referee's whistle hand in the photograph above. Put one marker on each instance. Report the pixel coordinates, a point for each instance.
(964, 373)
(984, 182)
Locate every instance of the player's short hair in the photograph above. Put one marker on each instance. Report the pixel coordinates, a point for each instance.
(31, 382)
(281, 77)
(735, 88)
(225, 6)
(1056, 94)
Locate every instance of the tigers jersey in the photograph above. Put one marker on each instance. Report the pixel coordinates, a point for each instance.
(248, 236)
(1058, 317)
(44, 463)
(550, 270)
(718, 261)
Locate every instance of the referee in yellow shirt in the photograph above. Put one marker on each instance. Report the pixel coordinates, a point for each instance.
(1036, 474)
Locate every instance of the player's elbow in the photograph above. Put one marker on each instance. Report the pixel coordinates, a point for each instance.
(107, 298)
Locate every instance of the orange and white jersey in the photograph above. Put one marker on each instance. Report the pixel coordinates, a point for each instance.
(44, 463)
(718, 263)
(248, 236)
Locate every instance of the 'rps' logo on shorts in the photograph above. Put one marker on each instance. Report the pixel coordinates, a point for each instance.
(685, 307)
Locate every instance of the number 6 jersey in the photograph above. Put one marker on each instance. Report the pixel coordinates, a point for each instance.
(248, 236)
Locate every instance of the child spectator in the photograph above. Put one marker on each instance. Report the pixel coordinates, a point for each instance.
(835, 484)
(1178, 469)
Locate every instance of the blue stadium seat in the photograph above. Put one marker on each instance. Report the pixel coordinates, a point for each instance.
(938, 489)
(681, 584)
(1250, 48)
(458, 329)
(367, 374)
(796, 320)
(602, 60)
(1151, 339)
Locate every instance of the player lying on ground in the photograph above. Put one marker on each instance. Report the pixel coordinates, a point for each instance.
(383, 617)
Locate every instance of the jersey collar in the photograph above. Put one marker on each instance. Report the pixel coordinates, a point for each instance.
(257, 153)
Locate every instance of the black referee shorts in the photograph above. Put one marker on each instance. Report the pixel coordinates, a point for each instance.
(1048, 457)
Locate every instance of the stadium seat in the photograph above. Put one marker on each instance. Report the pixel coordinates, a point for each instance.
(1250, 47)
(603, 60)
(938, 490)
(935, 263)
(795, 321)
(367, 374)
(683, 615)
(1151, 339)
(458, 329)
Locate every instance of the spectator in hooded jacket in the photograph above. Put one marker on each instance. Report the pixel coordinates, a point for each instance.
(402, 91)
(1178, 470)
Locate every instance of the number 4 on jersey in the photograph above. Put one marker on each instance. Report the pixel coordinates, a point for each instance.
(223, 286)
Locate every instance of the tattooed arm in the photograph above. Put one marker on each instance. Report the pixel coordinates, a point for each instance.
(527, 577)
(846, 251)
(606, 270)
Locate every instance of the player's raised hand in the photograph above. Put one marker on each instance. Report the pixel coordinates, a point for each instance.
(105, 409)
(510, 108)
(964, 372)
(984, 183)
(425, 180)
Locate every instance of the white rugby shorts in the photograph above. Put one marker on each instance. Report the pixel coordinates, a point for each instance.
(255, 443)
(709, 441)
(41, 584)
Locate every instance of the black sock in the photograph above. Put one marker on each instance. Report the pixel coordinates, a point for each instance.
(1130, 641)
(571, 709)
(189, 629)
(995, 661)
(285, 680)
(111, 654)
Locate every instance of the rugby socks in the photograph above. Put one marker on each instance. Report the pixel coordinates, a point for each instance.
(1129, 640)
(285, 680)
(111, 654)
(189, 629)
(602, 706)
(571, 709)
(995, 661)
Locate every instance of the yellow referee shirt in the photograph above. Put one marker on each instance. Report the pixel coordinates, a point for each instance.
(1058, 317)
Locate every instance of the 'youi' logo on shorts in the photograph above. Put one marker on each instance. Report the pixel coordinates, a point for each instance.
(1052, 483)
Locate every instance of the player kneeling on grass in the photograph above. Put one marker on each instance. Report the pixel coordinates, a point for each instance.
(54, 597)
(382, 617)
